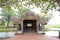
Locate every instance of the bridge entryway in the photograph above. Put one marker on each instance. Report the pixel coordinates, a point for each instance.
(29, 26)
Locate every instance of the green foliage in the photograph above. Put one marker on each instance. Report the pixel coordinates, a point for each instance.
(42, 15)
(45, 5)
(52, 26)
(2, 22)
(46, 29)
(21, 11)
(7, 30)
(7, 14)
(48, 15)
(2, 26)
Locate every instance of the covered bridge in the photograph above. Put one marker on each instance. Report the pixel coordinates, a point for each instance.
(30, 21)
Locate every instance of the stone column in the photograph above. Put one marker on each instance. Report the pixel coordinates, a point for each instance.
(21, 27)
(43, 29)
(37, 27)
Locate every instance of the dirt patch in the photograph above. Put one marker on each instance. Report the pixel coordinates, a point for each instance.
(4, 38)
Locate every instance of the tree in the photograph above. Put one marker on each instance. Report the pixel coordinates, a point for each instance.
(21, 11)
(7, 14)
(48, 15)
(45, 5)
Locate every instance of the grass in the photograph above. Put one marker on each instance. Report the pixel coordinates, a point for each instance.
(52, 26)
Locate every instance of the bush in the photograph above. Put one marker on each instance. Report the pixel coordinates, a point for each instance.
(7, 30)
(2, 26)
(46, 29)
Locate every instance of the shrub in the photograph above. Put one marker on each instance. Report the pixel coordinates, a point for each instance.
(7, 30)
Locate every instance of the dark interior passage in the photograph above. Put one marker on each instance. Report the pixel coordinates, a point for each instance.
(29, 25)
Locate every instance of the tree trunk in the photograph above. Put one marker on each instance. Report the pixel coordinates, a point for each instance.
(8, 24)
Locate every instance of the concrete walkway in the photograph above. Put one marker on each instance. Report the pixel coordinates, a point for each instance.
(32, 37)
(52, 33)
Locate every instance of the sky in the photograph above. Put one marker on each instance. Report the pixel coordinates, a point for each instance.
(36, 10)
(55, 19)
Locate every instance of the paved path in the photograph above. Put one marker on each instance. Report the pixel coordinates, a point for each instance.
(32, 37)
(52, 33)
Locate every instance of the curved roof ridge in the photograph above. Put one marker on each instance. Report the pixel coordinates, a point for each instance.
(29, 13)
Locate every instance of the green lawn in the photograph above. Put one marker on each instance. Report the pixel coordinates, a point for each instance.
(52, 26)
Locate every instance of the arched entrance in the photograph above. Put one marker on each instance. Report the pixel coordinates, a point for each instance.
(29, 26)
